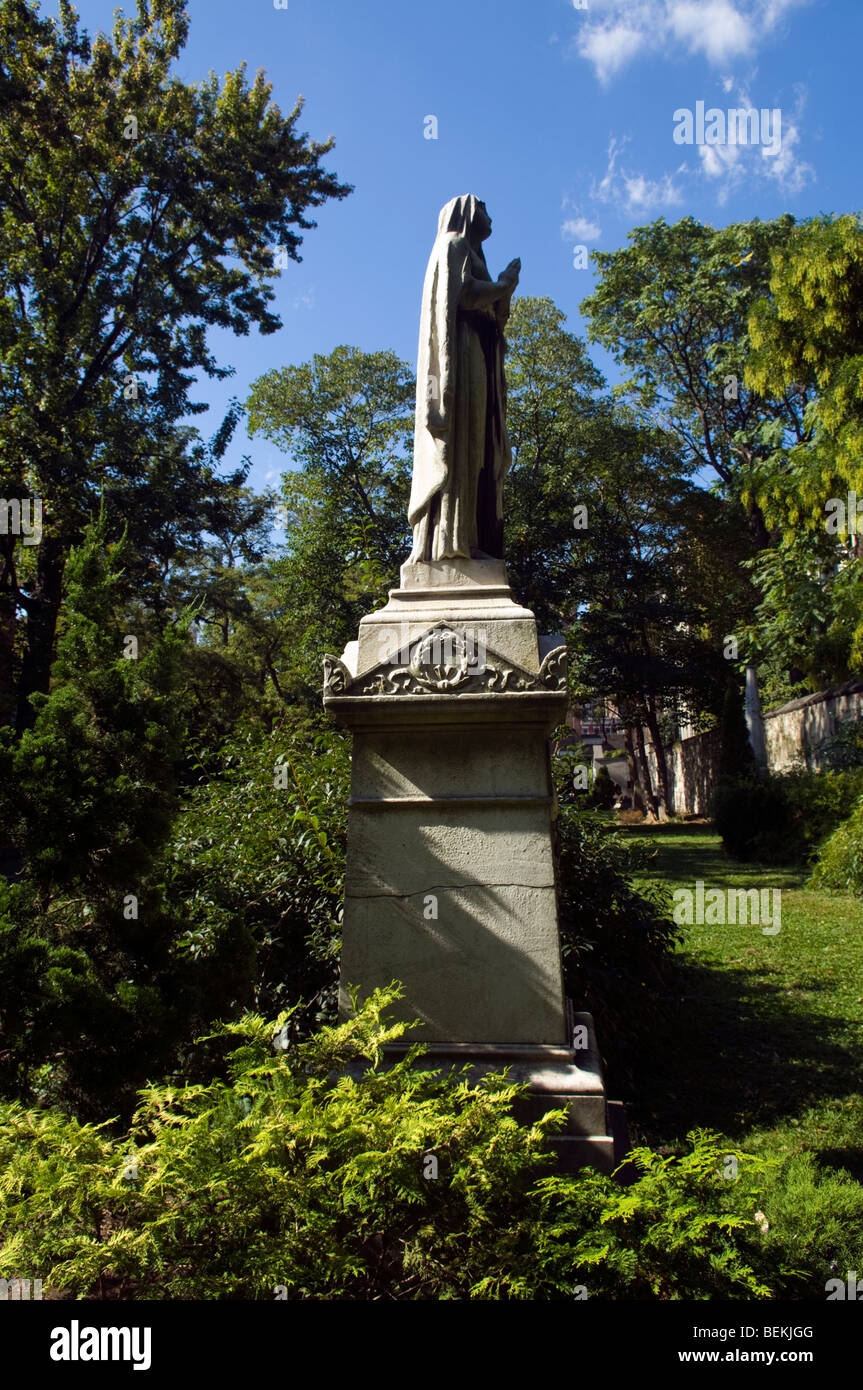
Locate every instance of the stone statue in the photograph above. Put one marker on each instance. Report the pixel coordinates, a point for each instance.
(461, 450)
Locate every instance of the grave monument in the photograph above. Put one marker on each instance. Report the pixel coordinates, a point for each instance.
(450, 695)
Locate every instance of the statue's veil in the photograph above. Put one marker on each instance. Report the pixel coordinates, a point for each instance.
(448, 265)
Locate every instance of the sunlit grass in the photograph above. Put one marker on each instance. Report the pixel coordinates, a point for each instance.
(764, 1036)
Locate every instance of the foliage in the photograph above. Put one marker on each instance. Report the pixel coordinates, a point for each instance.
(806, 335)
(87, 798)
(558, 426)
(815, 1227)
(674, 307)
(138, 212)
(808, 612)
(87, 794)
(257, 857)
(806, 338)
(845, 748)
(305, 1173)
(784, 817)
(141, 913)
(736, 758)
(346, 419)
(616, 938)
(840, 858)
(603, 793)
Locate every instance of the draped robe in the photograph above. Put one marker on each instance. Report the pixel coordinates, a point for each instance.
(461, 449)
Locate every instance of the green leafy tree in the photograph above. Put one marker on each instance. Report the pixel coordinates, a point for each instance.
(806, 335)
(87, 797)
(674, 308)
(138, 211)
(559, 429)
(346, 420)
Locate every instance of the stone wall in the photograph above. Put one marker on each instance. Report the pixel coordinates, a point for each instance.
(795, 734)
(693, 765)
(798, 732)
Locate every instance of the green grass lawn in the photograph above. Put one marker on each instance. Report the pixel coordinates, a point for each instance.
(763, 1036)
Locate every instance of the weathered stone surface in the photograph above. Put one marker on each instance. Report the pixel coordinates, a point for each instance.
(486, 970)
(450, 883)
(467, 763)
(486, 613)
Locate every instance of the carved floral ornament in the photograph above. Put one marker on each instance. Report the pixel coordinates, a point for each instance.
(444, 661)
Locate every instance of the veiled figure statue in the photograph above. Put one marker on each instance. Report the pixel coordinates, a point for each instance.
(461, 449)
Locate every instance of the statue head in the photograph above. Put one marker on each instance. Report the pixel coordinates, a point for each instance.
(466, 216)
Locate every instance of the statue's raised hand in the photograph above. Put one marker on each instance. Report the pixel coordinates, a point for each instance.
(512, 272)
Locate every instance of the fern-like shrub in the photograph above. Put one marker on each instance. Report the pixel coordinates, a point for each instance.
(840, 860)
(322, 1172)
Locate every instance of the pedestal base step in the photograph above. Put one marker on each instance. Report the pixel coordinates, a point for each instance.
(556, 1078)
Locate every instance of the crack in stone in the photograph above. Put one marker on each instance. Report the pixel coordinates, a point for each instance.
(449, 887)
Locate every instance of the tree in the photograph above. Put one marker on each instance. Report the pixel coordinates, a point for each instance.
(346, 419)
(138, 211)
(607, 537)
(807, 334)
(674, 308)
(557, 425)
(87, 797)
(228, 578)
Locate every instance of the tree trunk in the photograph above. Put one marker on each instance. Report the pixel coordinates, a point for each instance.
(646, 780)
(41, 625)
(638, 800)
(662, 766)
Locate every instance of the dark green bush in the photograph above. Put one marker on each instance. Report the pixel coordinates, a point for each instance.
(603, 793)
(617, 938)
(736, 759)
(241, 907)
(753, 817)
(259, 849)
(783, 818)
(845, 748)
(840, 860)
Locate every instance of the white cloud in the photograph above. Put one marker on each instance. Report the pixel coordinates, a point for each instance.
(732, 165)
(726, 167)
(614, 32)
(723, 163)
(610, 48)
(633, 192)
(773, 11)
(715, 28)
(580, 229)
(643, 194)
(785, 168)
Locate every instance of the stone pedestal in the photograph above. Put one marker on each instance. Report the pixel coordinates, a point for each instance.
(450, 696)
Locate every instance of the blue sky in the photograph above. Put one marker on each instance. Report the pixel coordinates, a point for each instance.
(559, 115)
